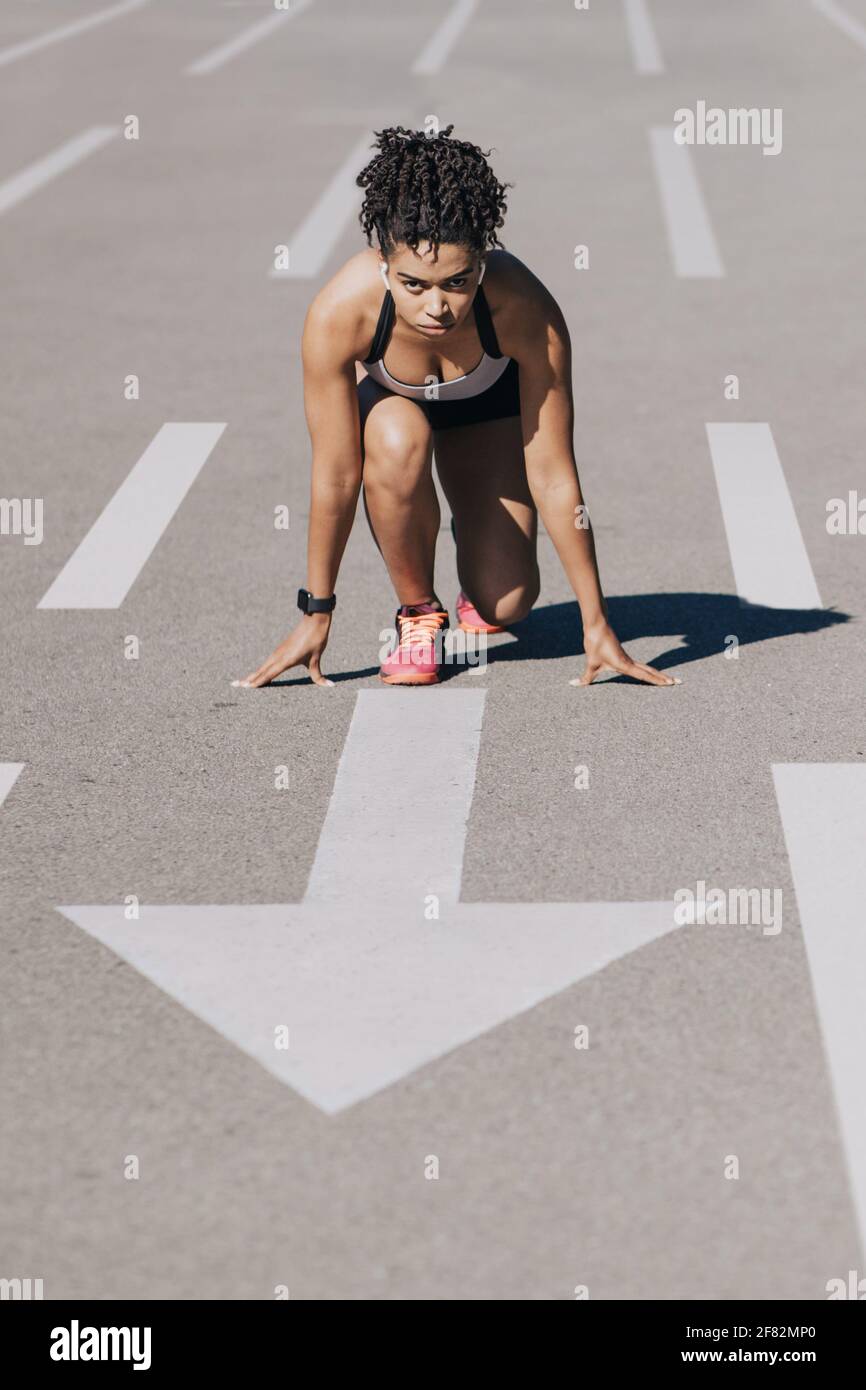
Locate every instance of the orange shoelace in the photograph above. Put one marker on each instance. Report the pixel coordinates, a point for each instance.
(421, 630)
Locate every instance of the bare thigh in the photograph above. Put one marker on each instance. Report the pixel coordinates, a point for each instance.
(483, 475)
(396, 451)
(398, 419)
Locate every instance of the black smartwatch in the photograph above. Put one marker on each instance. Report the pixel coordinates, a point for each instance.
(308, 604)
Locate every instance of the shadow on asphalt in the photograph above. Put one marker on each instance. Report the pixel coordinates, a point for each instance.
(704, 621)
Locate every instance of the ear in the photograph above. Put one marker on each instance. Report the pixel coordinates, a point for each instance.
(481, 271)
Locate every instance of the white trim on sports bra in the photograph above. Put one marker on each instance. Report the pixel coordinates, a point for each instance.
(472, 383)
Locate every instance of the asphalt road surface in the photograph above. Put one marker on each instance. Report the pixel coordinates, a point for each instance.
(367, 993)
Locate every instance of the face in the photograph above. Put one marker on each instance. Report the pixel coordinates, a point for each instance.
(433, 287)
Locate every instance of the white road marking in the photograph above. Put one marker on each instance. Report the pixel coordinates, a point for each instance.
(15, 189)
(9, 774)
(823, 812)
(67, 31)
(844, 21)
(109, 559)
(318, 234)
(770, 562)
(218, 57)
(642, 37)
(438, 47)
(396, 821)
(692, 240)
(369, 988)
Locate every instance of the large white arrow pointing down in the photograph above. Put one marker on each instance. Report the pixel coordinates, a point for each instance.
(368, 984)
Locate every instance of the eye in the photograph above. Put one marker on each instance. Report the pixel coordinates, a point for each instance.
(458, 282)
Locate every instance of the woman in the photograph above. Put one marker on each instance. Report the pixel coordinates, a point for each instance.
(480, 375)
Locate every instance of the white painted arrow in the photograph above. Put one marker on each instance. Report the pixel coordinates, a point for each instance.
(9, 774)
(369, 987)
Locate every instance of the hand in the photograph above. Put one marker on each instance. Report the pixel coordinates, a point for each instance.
(303, 647)
(604, 653)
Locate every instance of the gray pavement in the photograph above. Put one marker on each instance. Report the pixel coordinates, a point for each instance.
(606, 1167)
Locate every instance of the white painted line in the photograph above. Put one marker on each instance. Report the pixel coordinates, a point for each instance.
(111, 556)
(370, 985)
(823, 811)
(835, 13)
(218, 57)
(67, 31)
(389, 837)
(9, 773)
(318, 234)
(769, 559)
(35, 176)
(438, 47)
(642, 37)
(692, 240)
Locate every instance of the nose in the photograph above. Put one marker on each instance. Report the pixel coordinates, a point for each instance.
(436, 306)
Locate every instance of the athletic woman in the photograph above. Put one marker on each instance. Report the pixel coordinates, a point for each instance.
(480, 376)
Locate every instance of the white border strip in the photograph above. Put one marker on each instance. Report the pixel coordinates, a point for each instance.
(67, 31)
(844, 21)
(440, 44)
(642, 36)
(823, 812)
(318, 234)
(218, 57)
(769, 558)
(15, 189)
(692, 240)
(109, 559)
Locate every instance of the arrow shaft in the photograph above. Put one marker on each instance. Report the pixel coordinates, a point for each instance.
(395, 828)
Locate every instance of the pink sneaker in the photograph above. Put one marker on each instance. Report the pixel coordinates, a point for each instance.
(418, 654)
(470, 619)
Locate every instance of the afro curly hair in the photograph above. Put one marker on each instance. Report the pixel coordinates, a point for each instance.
(428, 187)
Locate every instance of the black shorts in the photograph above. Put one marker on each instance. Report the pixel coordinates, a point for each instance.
(499, 401)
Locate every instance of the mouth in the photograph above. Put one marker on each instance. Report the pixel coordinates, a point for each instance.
(435, 327)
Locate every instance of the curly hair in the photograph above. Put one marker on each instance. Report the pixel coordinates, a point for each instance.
(422, 187)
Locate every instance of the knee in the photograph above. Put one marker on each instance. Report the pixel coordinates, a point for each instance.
(397, 454)
(510, 605)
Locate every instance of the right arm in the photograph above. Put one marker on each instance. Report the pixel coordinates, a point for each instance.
(331, 409)
(330, 344)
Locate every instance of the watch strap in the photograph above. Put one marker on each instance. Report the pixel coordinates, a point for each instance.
(308, 604)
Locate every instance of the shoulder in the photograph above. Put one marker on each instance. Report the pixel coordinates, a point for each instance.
(341, 319)
(524, 311)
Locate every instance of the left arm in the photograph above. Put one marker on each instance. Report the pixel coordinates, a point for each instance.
(543, 353)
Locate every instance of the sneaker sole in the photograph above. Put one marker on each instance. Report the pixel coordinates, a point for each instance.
(431, 679)
(467, 627)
